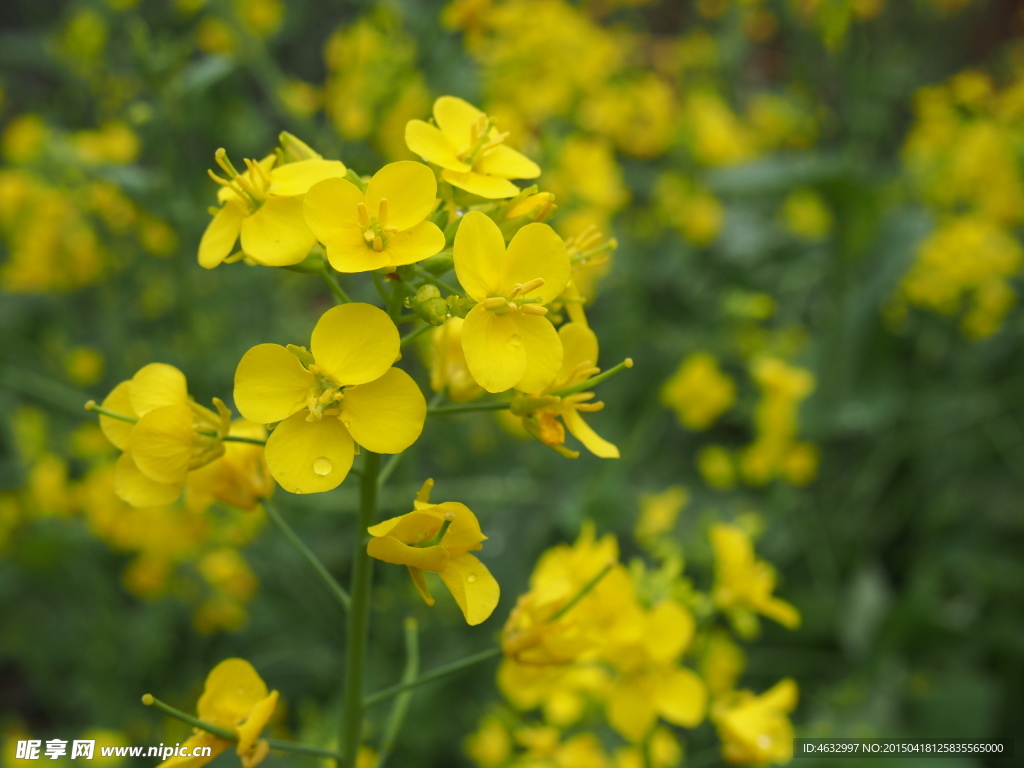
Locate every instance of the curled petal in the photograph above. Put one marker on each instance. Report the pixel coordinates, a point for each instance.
(354, 343)
(309, 456)
(271, 384)
(391, 550)
(593, 442)
(473, 587)
(232, 689)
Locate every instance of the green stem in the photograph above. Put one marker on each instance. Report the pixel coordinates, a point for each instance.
(289, 533)
(594, 380)
(410, 337)
(581, 594)
(240, 439)
(395, 301)
(468, 408)
(378, 283)
(332, 284)
(389, 469)
(359, 615)
(438, 282)
(401, 705)
(437, 674)
(223, 733)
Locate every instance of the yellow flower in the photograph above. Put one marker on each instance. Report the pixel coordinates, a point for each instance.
(263, 206)
(755, 730)
(239, 478)
(658, 512)
(342, 393)
(166, 436)
(541, 412)
(384, 227)
(744, 584)
(716, 467)
(722, 663)
(469, 149)
(805, 214)
(490, 745)
(507, 340)
(438, 538)
(235, 698)
(698, 391)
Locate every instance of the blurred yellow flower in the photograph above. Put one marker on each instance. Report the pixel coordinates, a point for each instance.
(755, 730)
(658, 513)
(469, 149)
(744, 584)
(805, 214)
(699, 392)
(384, 227)
(507, 340)
(342, 393)
(716, 466)
(236, 698)
(239, 478)
(438, 538)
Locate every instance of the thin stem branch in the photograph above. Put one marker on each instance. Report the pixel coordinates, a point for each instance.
(437, 674)
(410, 337)
(241, 439)
(595, 380)
(359, 614)
(289, 533)
(335, 288)
(419, 272)
(468, 408)
(91, 406)
(223, 733)
(401, 705)
(581, 594)
(389, 469)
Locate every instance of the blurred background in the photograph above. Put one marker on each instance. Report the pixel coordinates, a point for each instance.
(817, 205)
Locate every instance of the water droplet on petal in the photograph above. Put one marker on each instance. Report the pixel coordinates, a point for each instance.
(471, 578)
(323, 466)
(516, 340)
(347, 424)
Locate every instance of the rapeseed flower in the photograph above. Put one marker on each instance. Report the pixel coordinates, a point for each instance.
(325, 401)
(755, 730)
(162, 433)
(744, 585)
(469, 149)
(383, 227)
(546, 415)
(439, 538)
(236, 698)
(507, 340)
(263, 206)
(448, 370)
(239, 478)
(699, 392)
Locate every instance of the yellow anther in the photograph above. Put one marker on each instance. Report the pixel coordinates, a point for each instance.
(338, 396)
(531, 285)
(532, 309)
(378, 244)
(368, 235)
(494, 302)
(326, 397)
(382, 214)
(364, 215)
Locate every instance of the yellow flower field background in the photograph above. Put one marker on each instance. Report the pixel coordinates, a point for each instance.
(509, 383)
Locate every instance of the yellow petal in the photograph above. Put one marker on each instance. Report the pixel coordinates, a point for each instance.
(680, 697)
(258, 716)
(420, 582)
(309, 456)
(391, 550)
(410, 189)
(536, 251)
(464, 533)
(119, 401)
(630, 708)
(582, 431)
(782, 696)
(506, 162)
(670, 629)
(781, 611)
(478, 253)
(385, 415)
(543, 351)
(135, 488)
(491, 187)
(219, 238)
(494, 349)
(456, 119)
(271, 384)
(348, 252)
(579, 351)
(428, 142)
(161, 444)
(414, 244)
(330, 206)
(156, 385)
(277, 235)
(201, 739)
(297, 178)
(473, 587)
(231, 691)
(410, 528)
(354, 343)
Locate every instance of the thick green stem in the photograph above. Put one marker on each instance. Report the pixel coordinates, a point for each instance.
(359, 614)
(307, 553)
(469, 408)
(223, 733)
